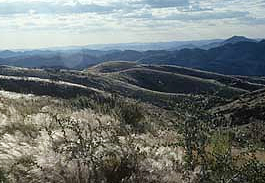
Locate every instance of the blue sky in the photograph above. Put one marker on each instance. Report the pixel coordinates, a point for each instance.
(48, 23)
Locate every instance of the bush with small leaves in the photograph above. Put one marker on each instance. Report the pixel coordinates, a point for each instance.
(94, 151)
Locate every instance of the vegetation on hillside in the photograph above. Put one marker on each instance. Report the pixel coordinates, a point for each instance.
(95, 126)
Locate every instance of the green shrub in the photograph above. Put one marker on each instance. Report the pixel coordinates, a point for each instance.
(95, 151)
(3, 176)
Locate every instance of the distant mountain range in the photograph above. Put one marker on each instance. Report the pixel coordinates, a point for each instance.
(235, 56)
(170, 46)
(242, 58)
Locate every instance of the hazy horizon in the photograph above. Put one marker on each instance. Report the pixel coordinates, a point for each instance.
(35, 24)
(106, 45)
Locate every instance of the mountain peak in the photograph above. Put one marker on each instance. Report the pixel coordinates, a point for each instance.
(7, 51)
(236, 39)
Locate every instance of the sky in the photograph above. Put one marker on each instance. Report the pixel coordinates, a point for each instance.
(49, 23)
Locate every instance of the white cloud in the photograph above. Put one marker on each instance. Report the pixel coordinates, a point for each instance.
(128, 20)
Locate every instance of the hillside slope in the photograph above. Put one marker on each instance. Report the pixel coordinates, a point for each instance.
(163, 86)
(124, 121)
(156, 77)
(242, 82)
(247, 109)
(174, 83)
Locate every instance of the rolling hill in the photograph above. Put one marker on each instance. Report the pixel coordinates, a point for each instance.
(123, 78)
(172, 83)
(131, 118)
(163, 86)
(159, 75)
